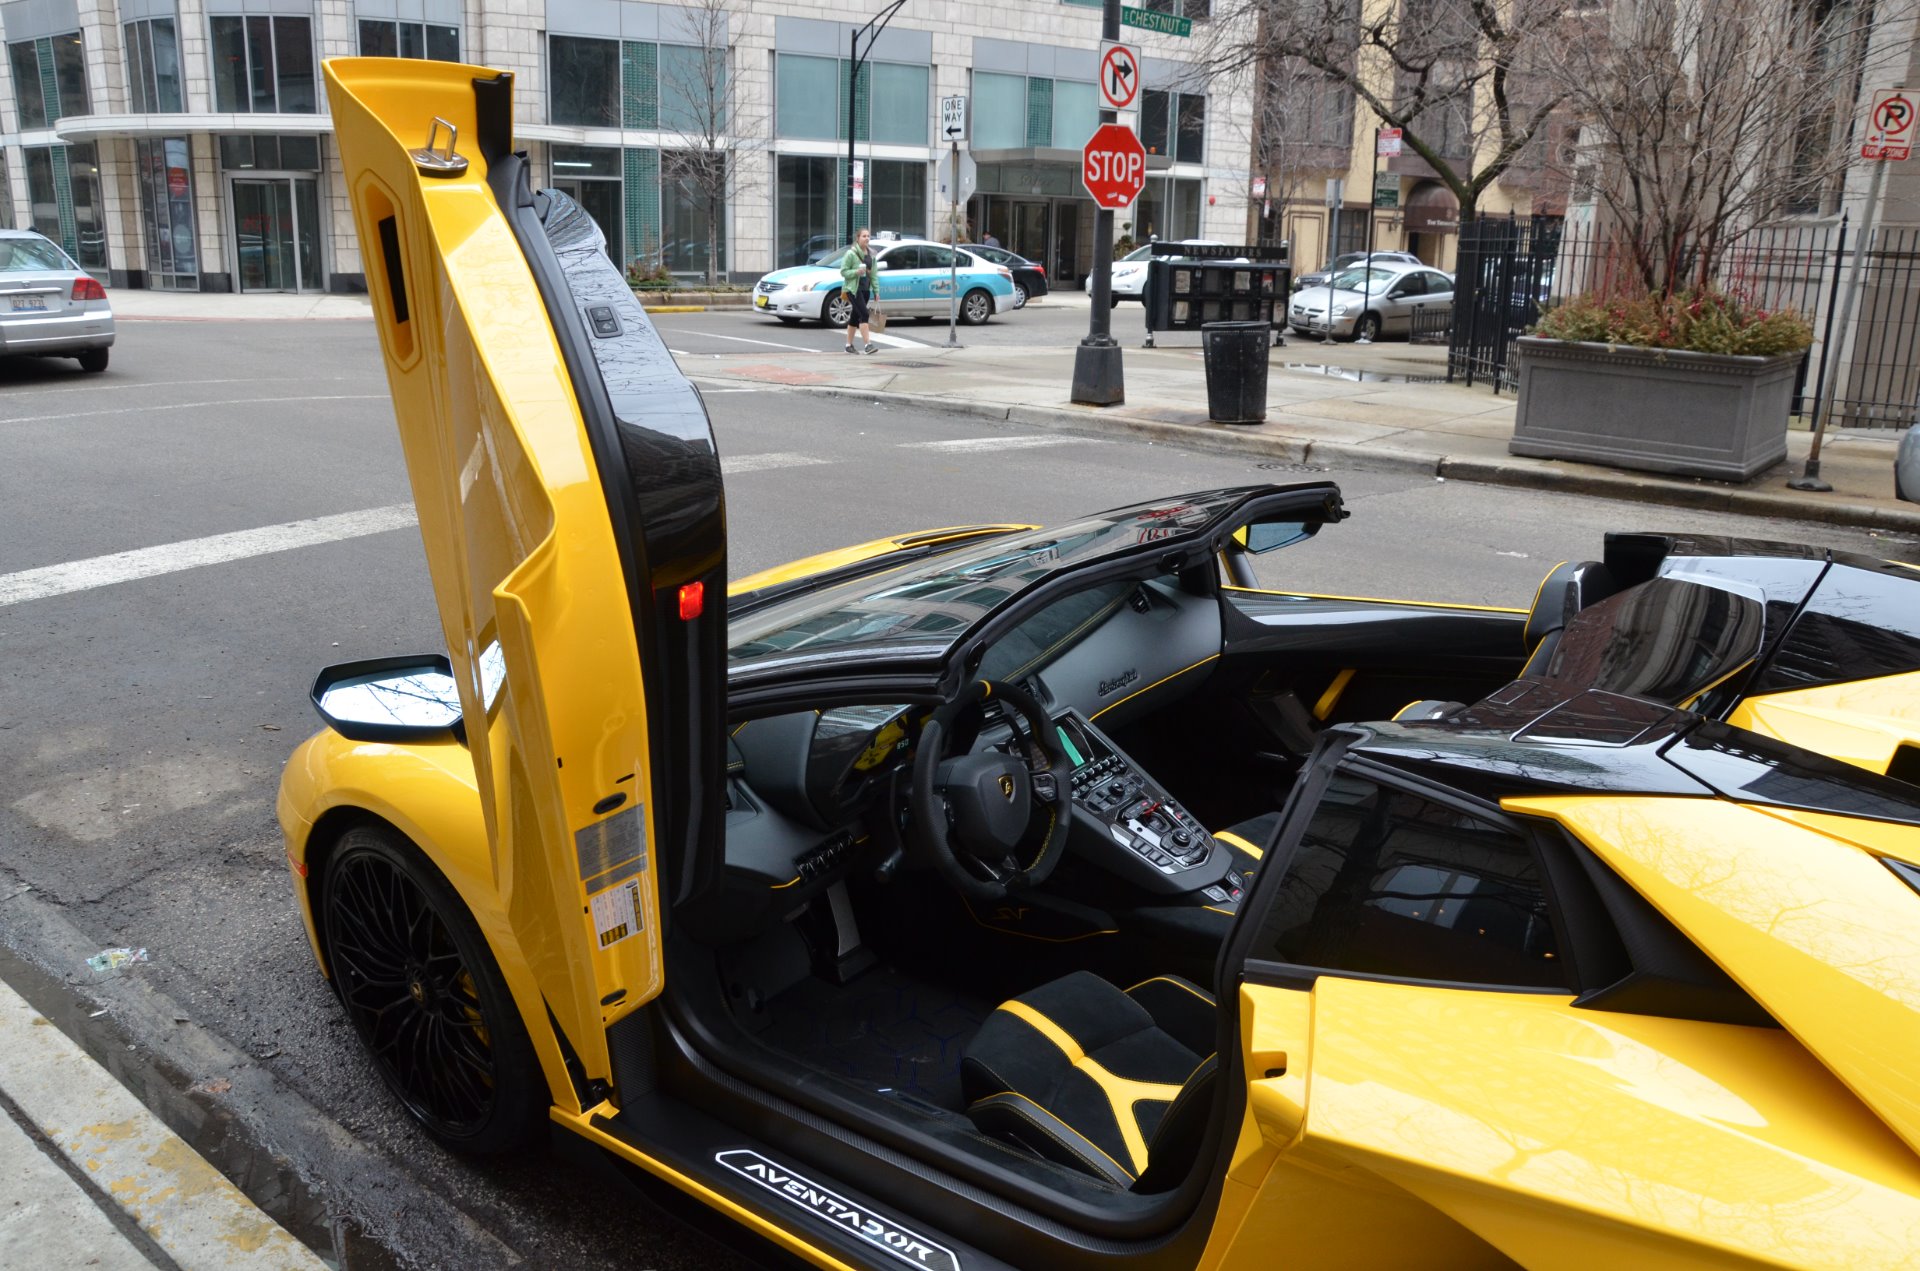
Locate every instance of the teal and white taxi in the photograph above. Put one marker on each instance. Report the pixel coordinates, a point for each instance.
(913, 278)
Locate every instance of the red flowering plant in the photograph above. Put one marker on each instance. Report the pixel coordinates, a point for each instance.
(1703, 321)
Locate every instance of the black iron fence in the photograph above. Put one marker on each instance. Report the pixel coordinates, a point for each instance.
(1509, 270)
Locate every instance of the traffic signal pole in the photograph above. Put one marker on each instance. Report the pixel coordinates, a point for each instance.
(1098, 378)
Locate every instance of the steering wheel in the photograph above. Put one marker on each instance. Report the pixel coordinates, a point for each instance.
(970, 811)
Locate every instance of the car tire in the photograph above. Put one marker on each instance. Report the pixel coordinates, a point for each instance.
(976, 307)
(789, 321)
(426, 998)
(1368, 327)
(1113, 301)
(1019, 296)
(836, 309)
(94, 360)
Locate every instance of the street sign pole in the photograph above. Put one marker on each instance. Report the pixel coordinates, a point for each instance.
(953, 275)
(1336, 196)
(1099, 379)
(1891, 124)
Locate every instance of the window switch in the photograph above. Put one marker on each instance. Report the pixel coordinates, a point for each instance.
(1214, 894)
(605, 324)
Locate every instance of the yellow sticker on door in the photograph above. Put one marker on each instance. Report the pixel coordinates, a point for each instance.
(616, 914)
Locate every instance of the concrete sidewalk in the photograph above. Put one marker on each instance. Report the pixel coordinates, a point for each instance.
(1378, 406)
(89, 1177)
(135, 304)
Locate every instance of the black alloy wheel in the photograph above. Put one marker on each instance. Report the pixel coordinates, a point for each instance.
(423, 993)
(837, 310)
(1368, 328)
(976, 307)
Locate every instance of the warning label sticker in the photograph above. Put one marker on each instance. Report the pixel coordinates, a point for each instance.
(616, 914)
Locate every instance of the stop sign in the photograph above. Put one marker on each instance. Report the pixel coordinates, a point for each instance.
(1113, 167)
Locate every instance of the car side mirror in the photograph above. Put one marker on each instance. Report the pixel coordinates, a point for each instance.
(412, 698)
(1398, 293)
(1267, 536)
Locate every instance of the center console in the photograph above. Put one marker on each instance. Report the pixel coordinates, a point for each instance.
(1162, 847)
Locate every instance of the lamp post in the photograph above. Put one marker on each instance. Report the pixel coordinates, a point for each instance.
(875, 25)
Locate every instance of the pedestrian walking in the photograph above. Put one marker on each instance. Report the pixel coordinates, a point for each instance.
(856, 280)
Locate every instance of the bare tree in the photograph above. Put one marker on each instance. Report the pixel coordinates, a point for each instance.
(1470, 83)
(1303, 131)
(704, 115)
(1700, 120)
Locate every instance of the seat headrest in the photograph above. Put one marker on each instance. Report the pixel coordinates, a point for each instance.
(1568, 588)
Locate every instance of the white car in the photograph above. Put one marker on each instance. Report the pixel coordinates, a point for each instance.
(913, 277)
(1130, 271)
(49, 306)
(1365, 303)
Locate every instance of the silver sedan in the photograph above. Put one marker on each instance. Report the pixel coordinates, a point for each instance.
(1366, 303)
(49, 306)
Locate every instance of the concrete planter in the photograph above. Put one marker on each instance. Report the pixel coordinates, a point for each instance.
(1656, 410)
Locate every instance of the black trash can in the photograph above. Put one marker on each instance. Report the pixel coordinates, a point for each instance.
(1236, 355)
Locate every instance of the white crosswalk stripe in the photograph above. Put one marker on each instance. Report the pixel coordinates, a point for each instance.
(734, 465)
(1027, 441)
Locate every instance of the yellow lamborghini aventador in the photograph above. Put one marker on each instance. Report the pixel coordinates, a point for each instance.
(1007, 897)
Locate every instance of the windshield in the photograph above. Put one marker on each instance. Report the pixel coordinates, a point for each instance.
(925, 611)
(27, 255)
(1371, 279)
(1139, 253)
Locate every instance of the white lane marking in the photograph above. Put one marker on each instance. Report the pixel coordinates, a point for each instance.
(142, 410)
(791, 348)
(88, 386)
(733, 465)
(169, 558)
(1032, 441)
(899, 341)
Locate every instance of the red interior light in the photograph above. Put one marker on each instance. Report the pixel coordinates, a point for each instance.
(693, 601)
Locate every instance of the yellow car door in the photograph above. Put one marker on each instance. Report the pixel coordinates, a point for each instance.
(544, 537)
(1433, 1082)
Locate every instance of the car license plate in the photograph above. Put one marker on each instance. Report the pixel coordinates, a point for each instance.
(29, 304)
(760, 302)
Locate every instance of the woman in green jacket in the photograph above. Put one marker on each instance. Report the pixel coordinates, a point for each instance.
(856, 279)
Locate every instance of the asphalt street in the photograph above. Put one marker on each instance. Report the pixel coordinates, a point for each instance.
(147, 702)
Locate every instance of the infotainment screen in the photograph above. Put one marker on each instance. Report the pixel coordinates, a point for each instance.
(1081, 745)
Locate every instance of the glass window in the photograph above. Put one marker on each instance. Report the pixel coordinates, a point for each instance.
(999, 111)
(805, 220)
(1385, 882)
(1155, 108)
(263, 65)
(25, 60)
(153, 66)
(693, 90)
(693, 183)
(897, 191)
(1186, 209)
(43, 205)
(938, 258)
(807, 101)
(1076, 113)
(907, 257)
(585, 161)
(164, 171)
(1150, 213)
(70, 74)
(6, 191)
(300, 154)
(1191, 129)
(443, 43)
(29, 255)
(413, 40)
(229, 64)
(1413, 284)
(379, 39)
(583, 81)
(900, 109)
(89, 209)
(293, 64)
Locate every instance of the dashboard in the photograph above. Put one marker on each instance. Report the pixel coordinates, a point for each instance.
(808, 789)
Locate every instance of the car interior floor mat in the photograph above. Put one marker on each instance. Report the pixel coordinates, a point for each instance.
(883, 1031)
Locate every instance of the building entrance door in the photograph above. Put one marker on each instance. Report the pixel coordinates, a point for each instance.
(276, 224)
(601, 199)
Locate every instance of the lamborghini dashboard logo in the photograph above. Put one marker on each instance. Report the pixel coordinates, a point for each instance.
(1006, 786)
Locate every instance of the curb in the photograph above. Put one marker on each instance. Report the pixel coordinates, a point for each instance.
(673, 308)
(1539, 475)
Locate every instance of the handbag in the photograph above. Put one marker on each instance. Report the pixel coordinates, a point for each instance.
(876, 316)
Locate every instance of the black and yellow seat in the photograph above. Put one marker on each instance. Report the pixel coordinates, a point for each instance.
(1117, 1084)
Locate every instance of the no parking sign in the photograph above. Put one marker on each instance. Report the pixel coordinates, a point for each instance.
(1890, 125)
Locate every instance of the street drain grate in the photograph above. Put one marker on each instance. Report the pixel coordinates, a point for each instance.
(915, 366)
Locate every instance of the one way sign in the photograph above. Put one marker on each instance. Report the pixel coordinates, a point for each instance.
(1119, 75)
